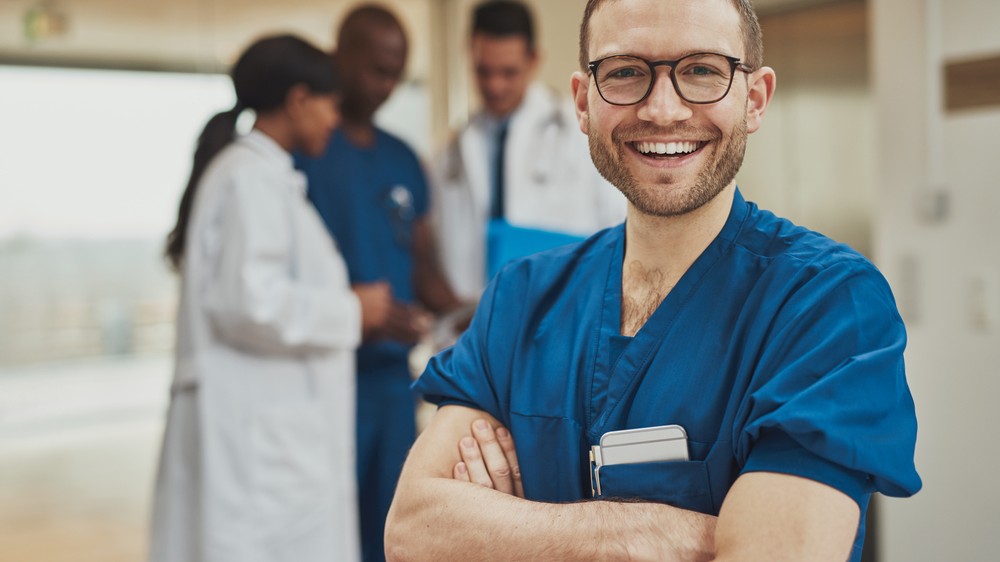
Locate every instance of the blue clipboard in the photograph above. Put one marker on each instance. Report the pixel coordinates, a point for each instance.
(505, 242)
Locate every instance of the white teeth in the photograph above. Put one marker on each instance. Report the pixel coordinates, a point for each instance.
(666, 147)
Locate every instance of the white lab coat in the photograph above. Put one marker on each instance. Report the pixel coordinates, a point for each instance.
(551, 184)
(258, 455)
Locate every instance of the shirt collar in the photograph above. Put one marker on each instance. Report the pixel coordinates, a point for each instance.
(491, 125)
(270, 150)
(737, 216)
(266, 146)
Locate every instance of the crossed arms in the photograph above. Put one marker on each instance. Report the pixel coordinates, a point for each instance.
(465, 502)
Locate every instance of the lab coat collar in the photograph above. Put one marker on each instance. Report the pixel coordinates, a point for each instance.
(491, 124)
(270, 150)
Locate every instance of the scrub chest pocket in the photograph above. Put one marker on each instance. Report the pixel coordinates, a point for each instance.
(682, 484)
(549, 463)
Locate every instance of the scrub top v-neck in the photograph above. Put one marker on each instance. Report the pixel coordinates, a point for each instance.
(620, 360)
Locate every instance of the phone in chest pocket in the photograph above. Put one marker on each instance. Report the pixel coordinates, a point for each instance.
(640, 445)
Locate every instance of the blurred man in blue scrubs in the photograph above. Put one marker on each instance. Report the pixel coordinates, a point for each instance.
(371, 192)
(777, 350)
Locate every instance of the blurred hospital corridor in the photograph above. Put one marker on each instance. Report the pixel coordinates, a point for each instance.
(78, 449)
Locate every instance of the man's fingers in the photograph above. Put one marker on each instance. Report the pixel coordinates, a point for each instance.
(399, 325)
(507, 445)
(493, 456)
(489, 459)
(474, 464)
(460, 472)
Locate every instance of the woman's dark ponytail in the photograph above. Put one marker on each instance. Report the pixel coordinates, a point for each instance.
(262, 77)
(218, 132)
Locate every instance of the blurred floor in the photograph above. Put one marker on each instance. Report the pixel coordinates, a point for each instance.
(78, 449)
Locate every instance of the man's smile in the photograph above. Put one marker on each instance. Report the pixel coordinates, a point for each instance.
(663, 153)
(667, 149)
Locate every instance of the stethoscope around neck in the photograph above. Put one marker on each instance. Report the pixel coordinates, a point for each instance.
(543, 154)
(547, 139)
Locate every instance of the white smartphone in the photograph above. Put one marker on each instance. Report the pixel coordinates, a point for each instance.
(644, 444)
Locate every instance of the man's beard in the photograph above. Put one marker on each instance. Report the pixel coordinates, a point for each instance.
(651, 200)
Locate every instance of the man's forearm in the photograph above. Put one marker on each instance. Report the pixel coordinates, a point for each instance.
(438, 519)
(431, 285)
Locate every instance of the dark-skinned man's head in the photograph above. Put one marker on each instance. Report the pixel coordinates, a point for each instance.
(371, 57)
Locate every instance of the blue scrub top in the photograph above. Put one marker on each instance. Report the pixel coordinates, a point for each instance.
(779, 350)
(369, 199)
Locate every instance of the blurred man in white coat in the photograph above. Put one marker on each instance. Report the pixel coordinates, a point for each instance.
(520, 162)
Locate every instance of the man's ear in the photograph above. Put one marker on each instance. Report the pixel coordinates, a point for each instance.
(534, 62)
(580, 86)
(295, 99)
(760, 89)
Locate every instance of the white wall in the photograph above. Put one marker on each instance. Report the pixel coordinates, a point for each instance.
(813, 160)
(937, 263)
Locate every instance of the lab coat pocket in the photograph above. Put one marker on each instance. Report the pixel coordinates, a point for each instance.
(291, 470)
(682, 484)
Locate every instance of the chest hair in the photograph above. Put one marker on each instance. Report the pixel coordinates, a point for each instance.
(643, 289)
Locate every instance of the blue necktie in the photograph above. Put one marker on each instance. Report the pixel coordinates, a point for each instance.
(496, 198)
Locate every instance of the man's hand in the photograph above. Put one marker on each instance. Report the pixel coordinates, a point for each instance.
(376, 305)
(383, 317)
(406, 323)
(489, 459)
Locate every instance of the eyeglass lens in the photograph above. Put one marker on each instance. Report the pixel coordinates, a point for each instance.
(698, 78)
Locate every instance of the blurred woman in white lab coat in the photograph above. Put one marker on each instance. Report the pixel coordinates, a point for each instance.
(258, 455)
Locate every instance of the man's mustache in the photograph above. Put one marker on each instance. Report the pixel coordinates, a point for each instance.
(630, 132)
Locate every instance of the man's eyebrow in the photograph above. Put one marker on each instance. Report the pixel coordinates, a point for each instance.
(679, 55)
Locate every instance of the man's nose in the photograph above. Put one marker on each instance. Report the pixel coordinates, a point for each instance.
(664, 105)
(495, 84)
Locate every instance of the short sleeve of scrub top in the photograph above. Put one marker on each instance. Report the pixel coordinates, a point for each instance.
(825, 402)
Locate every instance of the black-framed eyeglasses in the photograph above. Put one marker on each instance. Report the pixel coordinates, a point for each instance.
(699, 78)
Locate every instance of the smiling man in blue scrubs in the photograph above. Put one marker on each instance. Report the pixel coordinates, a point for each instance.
(779, 351)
